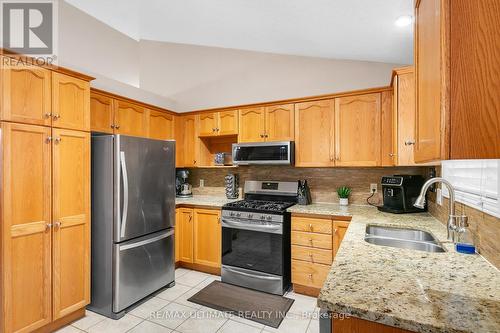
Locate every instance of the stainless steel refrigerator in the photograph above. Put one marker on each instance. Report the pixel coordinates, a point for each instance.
(133, 217)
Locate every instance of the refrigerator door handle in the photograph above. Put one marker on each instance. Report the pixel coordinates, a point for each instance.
(125, 193)
(146, 241)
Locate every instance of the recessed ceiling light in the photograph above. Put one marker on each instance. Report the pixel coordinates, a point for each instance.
(404, 21)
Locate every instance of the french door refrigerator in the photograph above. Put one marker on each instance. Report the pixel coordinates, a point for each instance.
(133, 216)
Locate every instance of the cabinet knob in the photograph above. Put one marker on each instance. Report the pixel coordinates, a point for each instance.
(310, 276)
(262, 135)
(56, 116)
(113, 126)
(57, 140)
(48, 226)
(310, 226)
(213, 130)
(48, 115)
(217, 129)
(194, 162)
(49, 139)
(310, 240)
(392, 154)
(265, 135)
(409, 142)
(117, 126)
(57, 224)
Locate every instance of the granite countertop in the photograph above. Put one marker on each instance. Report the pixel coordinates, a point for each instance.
(414, 290)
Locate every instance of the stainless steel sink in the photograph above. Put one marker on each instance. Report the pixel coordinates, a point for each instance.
(412, 239)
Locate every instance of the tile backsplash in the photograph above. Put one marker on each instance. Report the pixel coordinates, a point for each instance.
(322, 181)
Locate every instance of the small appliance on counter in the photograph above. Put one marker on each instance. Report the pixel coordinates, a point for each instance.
(304, 193)
(231, 185)
(223, 159)
(399, 193)
(182, 187)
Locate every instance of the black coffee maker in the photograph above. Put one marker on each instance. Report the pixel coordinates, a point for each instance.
(399, 193)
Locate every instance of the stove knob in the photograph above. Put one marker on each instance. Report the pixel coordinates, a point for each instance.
(269, 218)
(238, 214)
(250, 216)
(231, 214)
(263, 217)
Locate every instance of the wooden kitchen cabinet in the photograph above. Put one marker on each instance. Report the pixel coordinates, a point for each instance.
(71, 221)
(252, 125)
(314, 134)
(101, 113)
(207, 237)
(218, 123)
(228, 122)
(184, 236)
(70, 102)
(207, 124)
(280, 123)
(339, 230)
(130, 118)
(404, 112)
(358, 130)
(190, 142)
(25, 227)
(160, 125)
(26, 94)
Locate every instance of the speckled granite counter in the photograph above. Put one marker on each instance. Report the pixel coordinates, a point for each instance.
(203, 200)
(413, 290)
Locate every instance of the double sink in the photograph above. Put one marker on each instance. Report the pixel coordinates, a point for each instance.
(412, 239)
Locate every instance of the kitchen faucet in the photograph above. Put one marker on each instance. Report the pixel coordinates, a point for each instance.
(452, 219)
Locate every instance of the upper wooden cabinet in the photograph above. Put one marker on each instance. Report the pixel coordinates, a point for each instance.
(404, 111)
(280, 123)
(130, 118)
(314, 134)
(160, 125)
(218, 123)
(71, 221)
(70, 102)
(190, 149)
(358, 130)
(270, 123)
(207, 237)
(26, 94)
(101, 113)
(252, 125)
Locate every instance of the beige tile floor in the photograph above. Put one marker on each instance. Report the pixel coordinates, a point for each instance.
(170, 311)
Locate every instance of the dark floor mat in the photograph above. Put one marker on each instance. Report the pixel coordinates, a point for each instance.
(253, 305)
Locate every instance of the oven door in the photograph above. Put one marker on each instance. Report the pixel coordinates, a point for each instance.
(253, 245)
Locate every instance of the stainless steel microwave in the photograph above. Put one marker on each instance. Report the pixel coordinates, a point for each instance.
(264, 153)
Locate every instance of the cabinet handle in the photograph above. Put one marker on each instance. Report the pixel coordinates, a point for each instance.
(48, 226)
(310, 276)
(48, 115)
(392, 154)
(213, 130)
(49, 139)
(409, 142)
(117, 126)
(310, 226)
(217, 129)
(262, 135)
(113, 126)
(335, 230)
(57, 225)
(56, 116)
(57, 140)
(190, 217)
(194, 161)
(310, 241)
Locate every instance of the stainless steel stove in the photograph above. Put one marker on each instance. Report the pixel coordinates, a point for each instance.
(256, 237)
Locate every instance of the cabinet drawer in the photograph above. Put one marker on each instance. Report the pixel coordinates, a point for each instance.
(312, 255)
(322, 241)
(323, 226)
(309, 274)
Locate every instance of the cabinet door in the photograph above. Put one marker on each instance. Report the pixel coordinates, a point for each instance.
(25, 227)
(130, 119)
(207, 124)
(339, 230)
(190, 141)
(185, 235)
(160, 125)
(252, 122)
(70, 102)
(177, 234)
(207, 237)
(314, 134)
(228, 122)
(25, 94)
(280, 123)
(101, 113)
(179, 141)
(428, 80)
(357, 130)
(405, 106)
(71, 220)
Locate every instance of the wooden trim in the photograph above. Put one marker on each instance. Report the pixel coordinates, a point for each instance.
(401, 70)
(130, 100)
(197, 206)
(294, 100)
(445, 80)
(55, 325)
(305, 290)
(59, 69)
(200, 267)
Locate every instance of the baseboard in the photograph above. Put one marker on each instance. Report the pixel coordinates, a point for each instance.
(55, 325)
(199, 267)
(306, 290)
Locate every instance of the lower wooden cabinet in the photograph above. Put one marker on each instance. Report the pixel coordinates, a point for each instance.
(315, 241)
(45, 225)
(198, 237)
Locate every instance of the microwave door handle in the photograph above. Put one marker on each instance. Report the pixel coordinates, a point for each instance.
(249, 226)
(125, 194)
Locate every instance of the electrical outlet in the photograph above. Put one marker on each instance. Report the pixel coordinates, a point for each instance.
(439, 197)
(373, 188)
(202, 182)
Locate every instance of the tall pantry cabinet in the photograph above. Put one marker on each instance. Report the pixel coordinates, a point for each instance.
(45, 197)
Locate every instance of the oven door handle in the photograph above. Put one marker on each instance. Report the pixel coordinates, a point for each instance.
(276, 229)
(262, 277)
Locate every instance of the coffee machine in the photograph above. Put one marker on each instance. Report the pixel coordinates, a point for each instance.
(399, 193)
(182, 187)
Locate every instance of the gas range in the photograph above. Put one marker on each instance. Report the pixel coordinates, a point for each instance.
(259, 206)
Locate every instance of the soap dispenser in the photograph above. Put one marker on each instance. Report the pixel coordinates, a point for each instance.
(465, 241)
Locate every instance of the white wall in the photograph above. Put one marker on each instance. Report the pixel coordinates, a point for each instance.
(199, 77)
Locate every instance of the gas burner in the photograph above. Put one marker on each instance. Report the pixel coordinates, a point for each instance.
(259, 205)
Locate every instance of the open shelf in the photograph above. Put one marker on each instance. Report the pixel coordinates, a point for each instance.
(209, 146)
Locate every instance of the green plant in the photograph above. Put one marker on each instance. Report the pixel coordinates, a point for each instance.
(344, 192)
